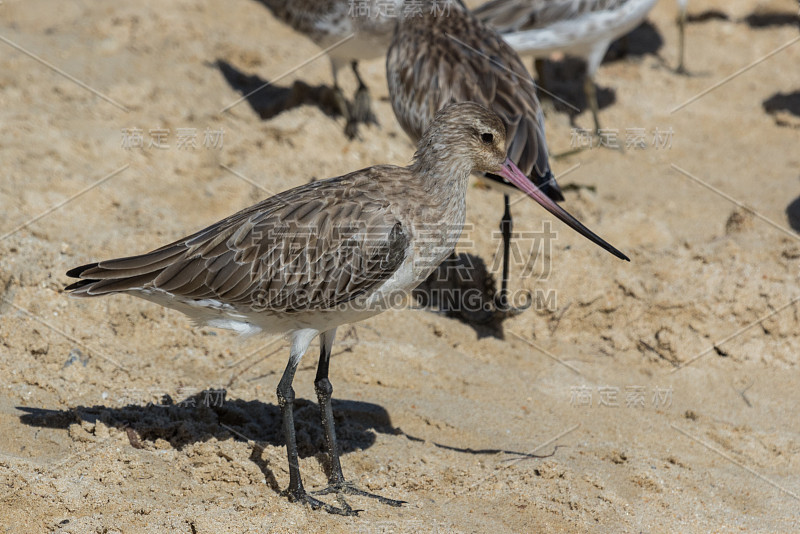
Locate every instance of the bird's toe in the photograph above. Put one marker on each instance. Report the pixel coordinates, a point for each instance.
(348, 488)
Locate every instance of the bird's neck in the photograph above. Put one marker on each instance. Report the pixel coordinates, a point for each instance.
(440, 211)
(443, 172)
(444, 182)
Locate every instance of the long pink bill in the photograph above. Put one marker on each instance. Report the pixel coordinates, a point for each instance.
(511, 173)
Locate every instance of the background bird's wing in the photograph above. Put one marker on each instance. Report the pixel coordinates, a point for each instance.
(312, 247)
(518, 15)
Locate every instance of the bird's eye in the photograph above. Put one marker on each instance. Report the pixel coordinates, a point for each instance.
(487, 138)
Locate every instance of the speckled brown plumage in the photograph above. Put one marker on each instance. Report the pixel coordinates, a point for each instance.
(318, 256)
(319, 245)
(279, 249)
(438, 59)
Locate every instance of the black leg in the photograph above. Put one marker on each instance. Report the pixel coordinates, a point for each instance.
(625, 45)
(286, 402)
(502, 305)
(543, 89)
(361, 111)
(324, 391)
(340, 102)
(506, 225)
(336, 482)
(681, 69)
(539, 67)
(590, 90)
(295, 492)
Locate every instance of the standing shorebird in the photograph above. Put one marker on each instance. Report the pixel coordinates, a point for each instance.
(349, 31)
(582, 28)
(682, 6)
(441, 57)
(321, 255)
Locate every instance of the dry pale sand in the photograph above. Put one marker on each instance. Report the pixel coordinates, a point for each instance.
(659, 395)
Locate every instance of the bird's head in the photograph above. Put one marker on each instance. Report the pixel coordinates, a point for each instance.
(466, 137)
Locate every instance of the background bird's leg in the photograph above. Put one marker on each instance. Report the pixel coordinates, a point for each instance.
(295, 492)
(625, 45)
(362, 102)
(590, 89)
(543, 89)
(541, 75)
(336, 482)
(681, 69)
(341, 105)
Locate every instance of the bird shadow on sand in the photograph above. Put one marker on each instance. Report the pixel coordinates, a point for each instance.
(565, 78)
(771, 19)
(793, 214)
(209, 415)
(705, 16)
(781, 106)
(462, 288)
(643, 40)
(517, 455)
(269, 100)
(562, 84)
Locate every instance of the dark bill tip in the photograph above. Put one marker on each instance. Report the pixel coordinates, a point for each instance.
(515, 176)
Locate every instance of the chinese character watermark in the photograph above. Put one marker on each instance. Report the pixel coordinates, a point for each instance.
(156, 397)
(160, 138)
(389, 9)
(532, 250)
(581, 396)
(635, 138)
(610, 397)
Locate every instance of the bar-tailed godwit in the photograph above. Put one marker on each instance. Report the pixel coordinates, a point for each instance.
(321, 255)
(438, 57)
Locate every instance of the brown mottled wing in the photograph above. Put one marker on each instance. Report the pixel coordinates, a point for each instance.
(517, 15)
(310, 248)
(434, 61)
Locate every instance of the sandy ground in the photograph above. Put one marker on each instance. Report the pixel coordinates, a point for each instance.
(659, 395)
